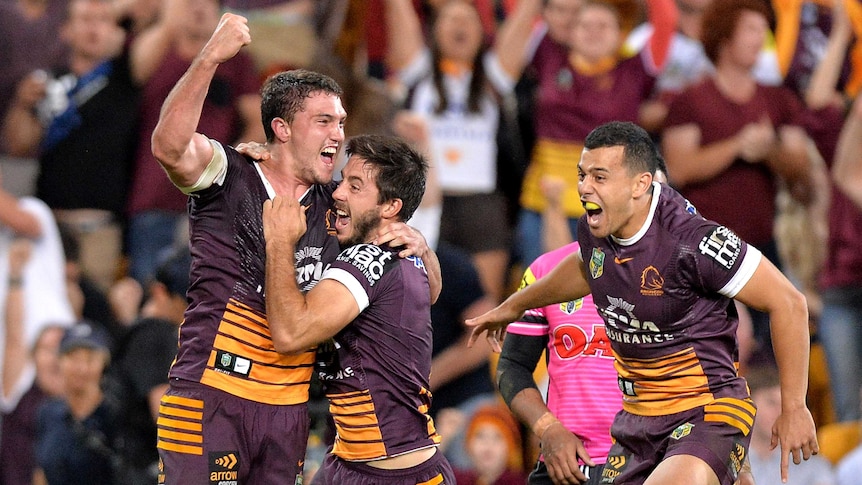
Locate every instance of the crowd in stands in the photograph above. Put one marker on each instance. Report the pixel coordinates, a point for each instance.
(754, 104)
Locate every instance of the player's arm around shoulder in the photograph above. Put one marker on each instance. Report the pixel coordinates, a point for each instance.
(182, 152)
(298, 321)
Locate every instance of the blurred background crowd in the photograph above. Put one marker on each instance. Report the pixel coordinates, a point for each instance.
(753, 104)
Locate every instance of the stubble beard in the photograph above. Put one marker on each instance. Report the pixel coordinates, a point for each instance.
(363, 228)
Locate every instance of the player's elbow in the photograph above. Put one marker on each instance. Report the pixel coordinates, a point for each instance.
(167, 147)
(795, 305)
(798, 304)
(288, 346)
(285, 341)
(162, 148)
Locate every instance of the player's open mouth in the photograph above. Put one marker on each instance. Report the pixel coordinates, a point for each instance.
(342, 219)
(328, 154)
(593, 212)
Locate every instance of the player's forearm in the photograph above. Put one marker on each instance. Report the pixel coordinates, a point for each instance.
(529, 407)
(285, 303)
(791, 343)
(518, 360)
(565, 282)
(181, 112)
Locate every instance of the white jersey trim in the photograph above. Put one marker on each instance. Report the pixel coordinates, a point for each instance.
(351, 283)
(656, 192)
(743, 274)
(214, 173)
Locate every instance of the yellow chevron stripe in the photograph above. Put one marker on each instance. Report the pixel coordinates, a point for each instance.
(179, 436)
(183, 401)
(730, 420)
(434, 481)
(181, 413)
(175, 423)
(190, 450)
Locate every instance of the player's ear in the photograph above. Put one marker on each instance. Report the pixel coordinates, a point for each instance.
(391, 208)
(643, 184)
(280, 128)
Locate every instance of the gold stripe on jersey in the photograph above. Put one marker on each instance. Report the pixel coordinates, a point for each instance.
(424, 409)
(664, 385)
(272, 378)
(738, 413)
(359, 436)
(180, 426)
(434, 481)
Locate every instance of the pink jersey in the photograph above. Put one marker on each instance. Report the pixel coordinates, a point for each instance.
(582, 391)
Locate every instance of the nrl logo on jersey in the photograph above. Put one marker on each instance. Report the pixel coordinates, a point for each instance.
(570, 307)
(597, 263)
(682, 431)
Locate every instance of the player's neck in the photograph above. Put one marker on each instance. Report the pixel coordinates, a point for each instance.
(639, 216)
(382, 228)
(282, 178)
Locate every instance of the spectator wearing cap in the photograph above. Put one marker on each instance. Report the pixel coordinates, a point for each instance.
(141, 365)
(74, 433)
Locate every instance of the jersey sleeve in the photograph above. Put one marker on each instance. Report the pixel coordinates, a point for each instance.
(359, 268)
(214, 173)
(725, 262)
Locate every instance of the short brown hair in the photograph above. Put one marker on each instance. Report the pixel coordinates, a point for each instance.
(720, 20)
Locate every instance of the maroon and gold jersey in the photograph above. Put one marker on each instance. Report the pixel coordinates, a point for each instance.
(665, 295)
(376, 369)
(225, 341)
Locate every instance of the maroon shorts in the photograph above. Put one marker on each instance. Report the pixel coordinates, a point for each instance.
(642, 442)
(335, 471)
(207, 436)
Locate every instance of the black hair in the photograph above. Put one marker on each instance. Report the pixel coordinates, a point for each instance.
(400, 170)
(640, 153)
